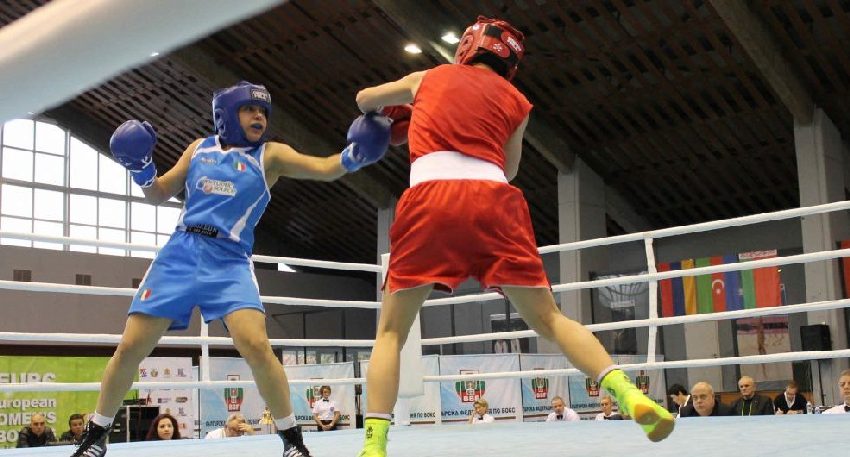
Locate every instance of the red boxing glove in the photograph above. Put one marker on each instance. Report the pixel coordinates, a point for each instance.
(400, 114)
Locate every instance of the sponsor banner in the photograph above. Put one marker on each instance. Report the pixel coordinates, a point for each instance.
(303, 397)
(585, 392)
(217, 404)
(177, 402)
(503, 395)
(424, 409)
(537, 393)
(16, 408)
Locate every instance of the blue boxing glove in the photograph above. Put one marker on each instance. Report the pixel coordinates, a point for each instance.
(132, 146)
(368, 140)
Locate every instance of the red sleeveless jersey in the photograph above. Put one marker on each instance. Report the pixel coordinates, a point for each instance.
(467, 109)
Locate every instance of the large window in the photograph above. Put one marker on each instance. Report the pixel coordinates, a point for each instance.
(54, 184)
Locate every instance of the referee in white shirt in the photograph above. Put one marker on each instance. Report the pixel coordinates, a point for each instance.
(561, 412)
(479, 413)
(324, 411)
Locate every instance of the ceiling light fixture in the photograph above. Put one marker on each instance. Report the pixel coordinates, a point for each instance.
(413, 49)
(154, 54)
(450, 38)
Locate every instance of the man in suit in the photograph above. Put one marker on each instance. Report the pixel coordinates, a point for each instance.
(789, 402)
(751, 403)
(679, 395)
(704, 403)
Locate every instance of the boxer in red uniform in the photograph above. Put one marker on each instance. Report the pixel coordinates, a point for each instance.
(461, 218)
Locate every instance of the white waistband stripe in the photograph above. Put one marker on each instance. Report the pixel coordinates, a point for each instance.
(452, 165)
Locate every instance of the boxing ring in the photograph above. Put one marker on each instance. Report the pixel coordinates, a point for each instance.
(704, 436)
(786, 436)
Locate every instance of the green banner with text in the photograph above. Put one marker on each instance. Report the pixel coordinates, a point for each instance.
(16, 408)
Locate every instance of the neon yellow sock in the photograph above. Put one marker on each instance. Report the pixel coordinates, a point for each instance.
(375, 444)
(656, 421)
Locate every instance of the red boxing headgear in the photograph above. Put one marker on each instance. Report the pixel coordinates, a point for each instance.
(495, 37)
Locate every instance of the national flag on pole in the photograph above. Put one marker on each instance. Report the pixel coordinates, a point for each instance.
(690, 285)
(705, 295)
(761, 286)
(718, 287)
(678, 291)
(666, 292)
(701, 294)
(732, 285)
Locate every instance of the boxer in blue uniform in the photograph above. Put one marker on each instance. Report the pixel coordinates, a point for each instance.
(207, 261)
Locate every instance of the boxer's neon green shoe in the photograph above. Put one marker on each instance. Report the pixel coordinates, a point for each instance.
(656, 421)
(376, 438)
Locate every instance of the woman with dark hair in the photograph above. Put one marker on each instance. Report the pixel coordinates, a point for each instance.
(164, 427)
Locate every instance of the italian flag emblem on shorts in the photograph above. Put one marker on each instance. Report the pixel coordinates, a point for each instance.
(145, 295)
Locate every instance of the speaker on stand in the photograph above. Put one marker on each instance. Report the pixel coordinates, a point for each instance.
(816, 338)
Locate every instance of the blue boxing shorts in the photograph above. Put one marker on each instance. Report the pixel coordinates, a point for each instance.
(191, 270)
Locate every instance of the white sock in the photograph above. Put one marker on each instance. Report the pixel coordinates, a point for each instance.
(101, 420)
(604, 372)
(285, 423)
(388, 417)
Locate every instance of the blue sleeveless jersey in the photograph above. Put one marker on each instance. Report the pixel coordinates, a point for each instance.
(226, 192)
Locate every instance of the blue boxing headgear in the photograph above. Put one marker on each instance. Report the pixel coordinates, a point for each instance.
(226, 104)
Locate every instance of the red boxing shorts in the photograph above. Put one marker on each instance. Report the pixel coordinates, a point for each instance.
(448, 230)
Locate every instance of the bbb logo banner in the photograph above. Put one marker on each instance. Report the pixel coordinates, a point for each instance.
(537, 393)
(503, 395)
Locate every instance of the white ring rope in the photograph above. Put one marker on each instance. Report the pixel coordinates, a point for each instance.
(80, 241)
(701, 227)
(761, 263)
(475, 338)
(661, 321)
(637, 236)
(129, 292)
(317, 263)
(95, 386)
(646, 277)
(652, 298)
(694, 363)
(67, 288)
(104, 338)
(151, 248)
(321, 302)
